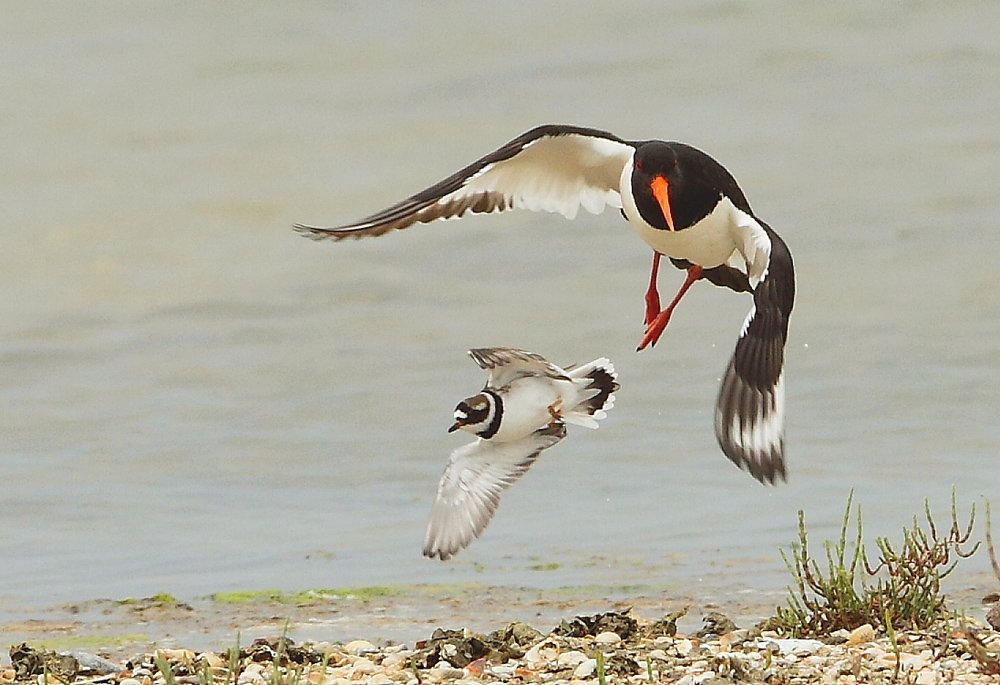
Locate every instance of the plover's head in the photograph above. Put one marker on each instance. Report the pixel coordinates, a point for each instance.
(474, 414)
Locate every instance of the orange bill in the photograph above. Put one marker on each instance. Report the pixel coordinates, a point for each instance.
(660, 187)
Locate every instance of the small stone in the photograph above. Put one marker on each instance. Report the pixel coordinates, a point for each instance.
(914, 662)
(585, 669)
(861, 635)
(391, 661)
(839, 636)
(540, 653)
(123, 681)
(927, 677)
(686, 680)
(476, 668)
(875, 653)
(993, 617)
(445, 671)
(658, 654)
(571, 659)
(734, 637)
(181, 655)
(702, 677)
(359, 647)
(364, 666)
(607, 638)
(503, 672)
(683, 646)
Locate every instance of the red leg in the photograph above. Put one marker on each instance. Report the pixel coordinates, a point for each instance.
(653, 297)
(655, 328)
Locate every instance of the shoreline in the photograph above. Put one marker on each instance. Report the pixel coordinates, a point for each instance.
(631, 640)
(382, 615)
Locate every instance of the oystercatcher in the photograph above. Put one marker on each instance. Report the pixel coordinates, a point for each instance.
(525, 392)
(686, 206)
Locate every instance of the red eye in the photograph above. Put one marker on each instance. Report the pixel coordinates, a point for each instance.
(638, 166)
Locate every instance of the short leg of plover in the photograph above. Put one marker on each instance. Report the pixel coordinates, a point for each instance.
(555, 413)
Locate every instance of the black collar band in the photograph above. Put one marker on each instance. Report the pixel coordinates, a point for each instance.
(494, 426)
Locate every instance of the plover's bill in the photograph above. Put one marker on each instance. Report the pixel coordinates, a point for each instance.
(525, 392)
(469, 491)
(686, 206)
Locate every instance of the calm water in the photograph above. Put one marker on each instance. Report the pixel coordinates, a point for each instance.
(195, 399)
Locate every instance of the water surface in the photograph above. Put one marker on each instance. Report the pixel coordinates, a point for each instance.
(195, 399)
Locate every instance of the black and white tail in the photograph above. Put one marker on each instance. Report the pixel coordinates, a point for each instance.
(599, 382)
(750, 413)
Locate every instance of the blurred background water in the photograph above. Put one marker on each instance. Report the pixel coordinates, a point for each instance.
(195, 399)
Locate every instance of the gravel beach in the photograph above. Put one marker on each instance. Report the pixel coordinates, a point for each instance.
(382, 637)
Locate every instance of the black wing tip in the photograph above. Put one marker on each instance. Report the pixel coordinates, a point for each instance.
(741, 404)
(326, 233)
(768, 468)
(442, 554)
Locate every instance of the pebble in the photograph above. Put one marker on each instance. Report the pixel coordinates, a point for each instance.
(861, 635)
(359, 647)
(445, 671)
(541, 653)
(607, 638)
(393, 659)
(502, 672)
(572, 658)
(585, 669)
(364, 666)
(683, 646)
(797, 647)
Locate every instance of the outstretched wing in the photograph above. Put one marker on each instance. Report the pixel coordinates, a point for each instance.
(507, 364)
(553, 168)
(750, 413)
(469, 491)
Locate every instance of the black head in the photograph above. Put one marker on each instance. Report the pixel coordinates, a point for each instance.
(473, 414)
(674, 183)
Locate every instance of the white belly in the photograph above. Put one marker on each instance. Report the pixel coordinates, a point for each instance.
(708, 243)
(525, 406)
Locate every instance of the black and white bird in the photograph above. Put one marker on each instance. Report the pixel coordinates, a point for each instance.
(686, 206)
(522, 411)
(525, 392)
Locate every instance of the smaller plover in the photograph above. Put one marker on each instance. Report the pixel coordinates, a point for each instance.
(525, 392)
(522, 411)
